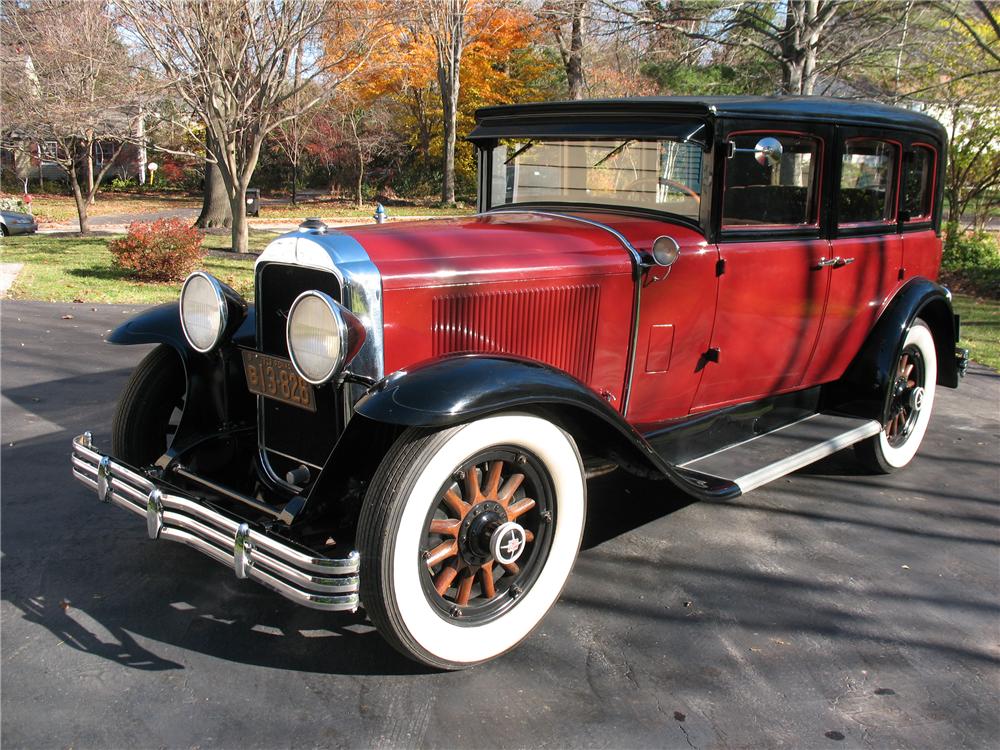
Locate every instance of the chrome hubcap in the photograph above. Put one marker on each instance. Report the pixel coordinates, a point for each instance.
(507, 542)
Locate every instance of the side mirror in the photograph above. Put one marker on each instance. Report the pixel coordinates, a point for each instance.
(768, 152)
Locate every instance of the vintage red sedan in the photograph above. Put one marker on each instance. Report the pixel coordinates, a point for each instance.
(712, 291)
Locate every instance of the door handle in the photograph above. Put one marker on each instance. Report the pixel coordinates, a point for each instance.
(824, 262)
(844, 262)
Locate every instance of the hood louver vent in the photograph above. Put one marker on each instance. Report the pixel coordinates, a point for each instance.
(555, 325)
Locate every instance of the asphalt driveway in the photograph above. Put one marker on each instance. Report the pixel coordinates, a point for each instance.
(830, 609)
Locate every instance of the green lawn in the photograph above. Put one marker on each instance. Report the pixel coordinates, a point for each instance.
(63, 207)
(341, 210)
(69, 269)
(980, 328)
(60, 208)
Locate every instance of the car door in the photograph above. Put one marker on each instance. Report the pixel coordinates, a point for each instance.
(773, 281)
(866, 247)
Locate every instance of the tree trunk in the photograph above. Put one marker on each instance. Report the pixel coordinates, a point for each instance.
(90, 171)
(215, 208)
(361, 178)
(574, 61)
(450, 100)
(241, 230)
(295, 181)
(81, 201)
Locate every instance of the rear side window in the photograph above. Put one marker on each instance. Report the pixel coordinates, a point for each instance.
(867, 182)
(766, 194)
(918, 187)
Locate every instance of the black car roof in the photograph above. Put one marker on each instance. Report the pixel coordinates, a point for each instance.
(492, 120)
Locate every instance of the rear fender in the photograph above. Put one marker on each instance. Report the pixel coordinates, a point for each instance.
(863, 387)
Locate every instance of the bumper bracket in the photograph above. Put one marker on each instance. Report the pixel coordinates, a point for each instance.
(294, 572)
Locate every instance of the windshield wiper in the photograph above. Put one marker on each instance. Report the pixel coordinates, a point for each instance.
(520, 151)
(615, 152)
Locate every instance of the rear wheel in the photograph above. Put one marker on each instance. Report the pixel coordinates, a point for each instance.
(467, 536)
(908, 404)
(149, 409)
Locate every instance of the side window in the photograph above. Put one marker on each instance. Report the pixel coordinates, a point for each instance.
(761, 192)
(867, 182)
(918, 188)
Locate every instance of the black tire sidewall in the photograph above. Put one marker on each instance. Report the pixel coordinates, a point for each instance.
(138, 431)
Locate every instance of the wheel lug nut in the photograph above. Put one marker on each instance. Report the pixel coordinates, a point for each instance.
(521, 459)
(459, 475)
(514, 591)
(456, 611)
(547, 516)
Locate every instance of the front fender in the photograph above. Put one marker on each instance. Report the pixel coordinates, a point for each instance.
(465, 387)
(162, 325)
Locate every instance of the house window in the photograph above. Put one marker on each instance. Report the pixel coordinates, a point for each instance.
(867, 182)
(918, 188)
(49, 150)
(761, 193)
(103, 152)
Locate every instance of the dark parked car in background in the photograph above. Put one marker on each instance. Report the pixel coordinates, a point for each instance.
(712, 292)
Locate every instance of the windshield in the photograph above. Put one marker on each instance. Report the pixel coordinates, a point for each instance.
(664, 175)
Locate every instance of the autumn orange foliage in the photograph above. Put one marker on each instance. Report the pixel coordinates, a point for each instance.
(500, 64)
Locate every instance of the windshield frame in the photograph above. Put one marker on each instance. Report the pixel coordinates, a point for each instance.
(699, 134)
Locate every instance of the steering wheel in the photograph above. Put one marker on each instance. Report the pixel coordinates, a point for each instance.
(646, 182)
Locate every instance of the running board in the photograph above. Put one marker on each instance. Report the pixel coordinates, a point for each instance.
(770, 456)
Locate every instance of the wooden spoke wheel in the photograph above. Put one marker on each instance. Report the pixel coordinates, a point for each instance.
(906, 397)
(908, 403)
(467, 535)
(487, 535)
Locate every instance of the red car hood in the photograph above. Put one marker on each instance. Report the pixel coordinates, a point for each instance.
(492, 247)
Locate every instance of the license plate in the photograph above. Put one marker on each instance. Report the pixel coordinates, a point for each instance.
(275, 378)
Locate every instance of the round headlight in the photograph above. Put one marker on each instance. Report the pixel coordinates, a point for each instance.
(317, 336)
(203, 311)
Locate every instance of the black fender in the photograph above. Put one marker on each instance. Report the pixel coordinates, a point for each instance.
(464, 387)
(162, 325)
(215, 388)
(863, 387)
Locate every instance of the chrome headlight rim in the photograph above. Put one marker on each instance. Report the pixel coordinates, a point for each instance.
(220, 299)
(342, 331)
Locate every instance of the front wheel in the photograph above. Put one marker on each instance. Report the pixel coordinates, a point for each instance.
(150, 408)
(908, 404)
(468, 534)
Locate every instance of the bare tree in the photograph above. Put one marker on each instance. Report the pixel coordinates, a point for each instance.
(566, 20)
(446, 22)
(232, 63)
(366, 127)
(67, 89)
(808, 39)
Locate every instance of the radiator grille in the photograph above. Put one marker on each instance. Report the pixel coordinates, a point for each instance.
(555, 325)
(291, 435)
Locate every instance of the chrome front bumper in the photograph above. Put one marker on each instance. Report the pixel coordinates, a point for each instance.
(317, 582)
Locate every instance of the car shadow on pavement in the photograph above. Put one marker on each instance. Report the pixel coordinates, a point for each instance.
(88, 575)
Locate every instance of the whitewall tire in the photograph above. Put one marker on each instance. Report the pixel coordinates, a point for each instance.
(908, 404)
(468, 534)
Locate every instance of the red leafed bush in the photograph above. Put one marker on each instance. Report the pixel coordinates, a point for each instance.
(162, 250)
